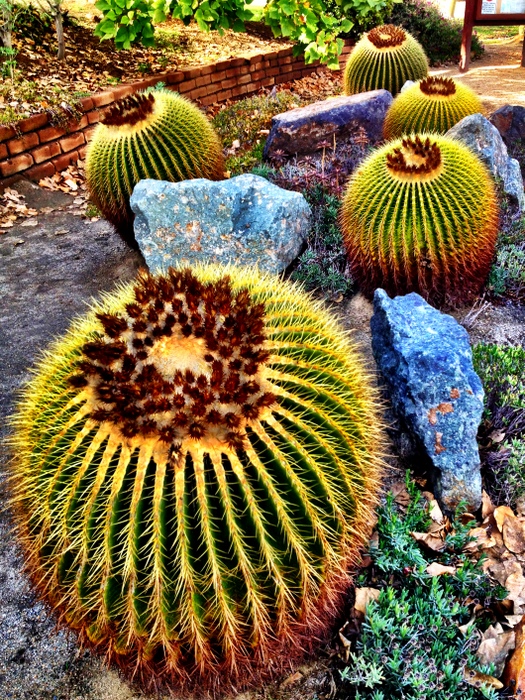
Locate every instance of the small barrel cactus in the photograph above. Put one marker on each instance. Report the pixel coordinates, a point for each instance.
(433, 104)
(158, 135)
(421, 215)
(386, 58)
(197, 464)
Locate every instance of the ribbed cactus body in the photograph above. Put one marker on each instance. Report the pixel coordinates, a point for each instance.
(197, 463)
(386, 57)
(432, 105)
(420, 214)
(161, 136)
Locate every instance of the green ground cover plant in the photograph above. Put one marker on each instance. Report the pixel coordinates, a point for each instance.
(410, 646)
(502, 371)
(507, 275)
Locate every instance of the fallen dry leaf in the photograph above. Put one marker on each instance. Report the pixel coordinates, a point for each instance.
(363, 596)
(429, 540)
(487, 507)
(477, 679)
(495, 646)
(480, 539)
(436, 569)
(400, 493)
(292, 679)
(500, 514)
(514, 674)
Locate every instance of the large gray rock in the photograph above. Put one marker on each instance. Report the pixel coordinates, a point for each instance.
(484, 139)
(301, 131)
(426, 360)
(246, 220)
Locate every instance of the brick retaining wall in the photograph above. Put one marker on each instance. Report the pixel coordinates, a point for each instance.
(34, 148)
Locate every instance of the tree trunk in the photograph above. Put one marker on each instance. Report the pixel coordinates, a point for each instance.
(61, 53)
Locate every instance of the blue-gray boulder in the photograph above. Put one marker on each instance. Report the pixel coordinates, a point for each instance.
(426, 360)
(482, 137)
(303, 130)
(245, 221)
(509, 120)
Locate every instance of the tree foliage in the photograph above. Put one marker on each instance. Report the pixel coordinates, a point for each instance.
(312, 24)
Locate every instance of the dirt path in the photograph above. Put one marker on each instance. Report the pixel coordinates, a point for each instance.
(497, 78)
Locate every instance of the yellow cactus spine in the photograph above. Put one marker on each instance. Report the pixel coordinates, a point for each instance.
(197, 463)
(432, 105)
(386, 58)
(420, 215)
(158, 135)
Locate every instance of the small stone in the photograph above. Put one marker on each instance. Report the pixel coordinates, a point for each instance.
(245, 221)
(482, 137)
(303, 130)
(407, 85)
(426, 361)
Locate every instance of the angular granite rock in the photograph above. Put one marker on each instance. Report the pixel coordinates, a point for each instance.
(509, 120)
(484, 139)
(426, 360)
(300, 131)
(246, 220)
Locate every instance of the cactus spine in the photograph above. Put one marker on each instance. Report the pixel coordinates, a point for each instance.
(197, 463)
(432, 105)
(421, 215)
(386, 58)
(159, 135)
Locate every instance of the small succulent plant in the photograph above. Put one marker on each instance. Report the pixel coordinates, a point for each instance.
(158, 135)
(421, 215)
(197, 463)
(433, 104)
(386, 57)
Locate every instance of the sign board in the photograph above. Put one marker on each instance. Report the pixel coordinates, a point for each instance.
(486, 13)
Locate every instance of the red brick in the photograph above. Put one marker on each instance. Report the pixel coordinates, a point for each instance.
(286, 52)
(196, 93)
(176, 77)
(102, 99)
(261, 65)
(271, 54)
(275, 62)
(16, 165)
(213, 88)
(223, 95)
(37, 121)
(51, 133)
(218, 77)
(243, 89)
(255, 59)
(232, 72)
(37, 172)
(3, 151)
(221, 65)
(68, 143)
(62, 162)
(296, 75)
(203, 80)
(6, 132)
(244, 79)
(265, 82)
(16, 146)
(88, 133)
(207, 70)
(229, 83)
(148, 82)
(258, 75)
(82, 152)
(190, 73)
(123, 91)
(273, 71)
(46, 152)
(208, 100)
(85, 104)
(93, 117)
(186, 86)
(78, 124)
(236, 62)
(286, 69)
(285, 60)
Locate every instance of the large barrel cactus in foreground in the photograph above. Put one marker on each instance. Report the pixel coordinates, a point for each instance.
(197, 462)
(386, 58)
(158, 135)
(421, 215)
(432, 105)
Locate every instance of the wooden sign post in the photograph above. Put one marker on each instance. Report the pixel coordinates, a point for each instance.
(495, 13)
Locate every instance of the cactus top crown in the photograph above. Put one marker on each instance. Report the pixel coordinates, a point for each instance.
(415, 159)
(183, 363)
(441, 87)
(130, 110)
(387, 36)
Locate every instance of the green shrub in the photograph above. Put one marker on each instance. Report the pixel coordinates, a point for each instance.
(440, 37)
(377, 14)
(410, 646)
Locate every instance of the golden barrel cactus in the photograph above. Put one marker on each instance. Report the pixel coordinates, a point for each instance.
(158, 135)
(433, 104)
(386, 57)
(197, 464)
(420, 215)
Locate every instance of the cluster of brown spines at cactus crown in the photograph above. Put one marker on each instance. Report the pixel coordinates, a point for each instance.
(183, 362)
(434, 85)
(386, 36)
(129, 110)
(414, 157)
